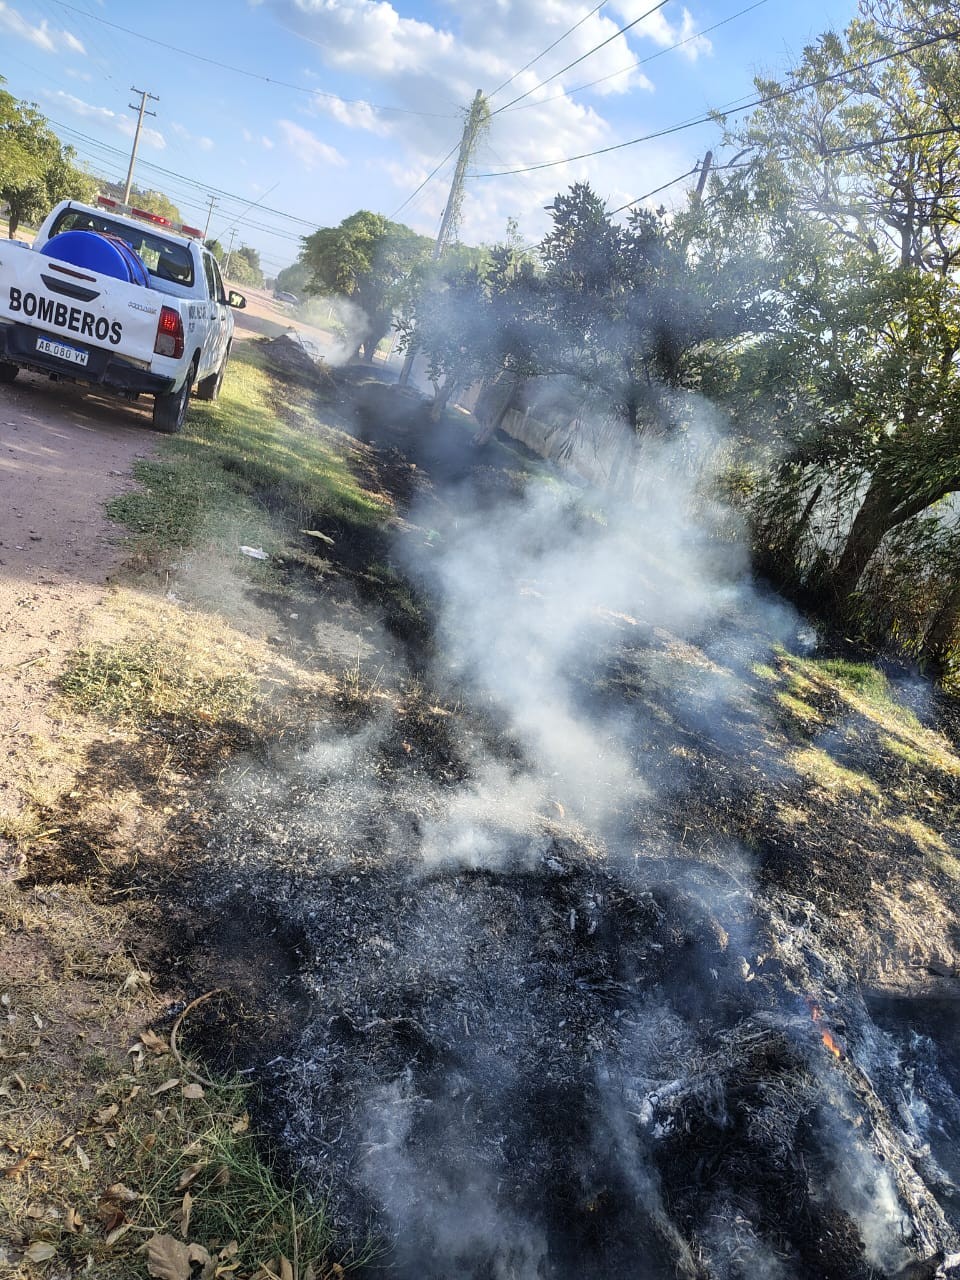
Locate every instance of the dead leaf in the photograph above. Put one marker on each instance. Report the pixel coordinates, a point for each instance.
(221, 1178)
(241, 1125)
(72, 1220)
(167, 1258)
(121, 1194)
(149, 1142)
(110, 1140)
(111, 1216)
(186, 1209)
(193, 1091)
(33, 1211)
(197, 1253)
(166, 1086)
(315, 533)
(107, 1114)
(14, 1171)
(156, 1044)
(83, 1158)
(286, 1270)
(135, 981)
(190, 1173)
(40, 1251)
(114, 1235)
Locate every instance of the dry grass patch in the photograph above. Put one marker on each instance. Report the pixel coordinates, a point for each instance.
(821, 768)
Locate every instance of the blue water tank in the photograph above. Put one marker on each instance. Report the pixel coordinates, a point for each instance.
(107, 255)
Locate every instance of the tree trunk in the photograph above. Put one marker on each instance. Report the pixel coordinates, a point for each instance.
(869, 526)
(13, 221)
(441, 397)
(490, 414)
(941, 637)
(882, 509)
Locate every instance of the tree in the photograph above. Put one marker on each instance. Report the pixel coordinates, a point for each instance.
(155, 202)
(36, 170)
(370, 260)
(855, 185)
(245, 266)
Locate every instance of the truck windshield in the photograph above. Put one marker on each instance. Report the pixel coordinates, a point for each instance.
(164, 259)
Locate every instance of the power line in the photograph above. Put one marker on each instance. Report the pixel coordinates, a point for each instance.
(642, 62)
(430, 176)
(729, 110)
(589, 54)
(526, 67)
(242, 71)
(672, 183)
(193, 182)
(882, 142)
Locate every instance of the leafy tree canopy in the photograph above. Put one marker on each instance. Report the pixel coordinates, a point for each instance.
(36, 169)
(372, 261)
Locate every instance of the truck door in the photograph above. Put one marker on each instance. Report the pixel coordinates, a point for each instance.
(224, 316)
(215, 342)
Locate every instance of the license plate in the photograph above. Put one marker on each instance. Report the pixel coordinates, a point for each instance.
(62, 351)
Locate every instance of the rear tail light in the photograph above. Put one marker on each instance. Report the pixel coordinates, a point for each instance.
(169, 334)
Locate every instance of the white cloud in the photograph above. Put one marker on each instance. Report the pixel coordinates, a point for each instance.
(354, 115)
(201, 143)
(103, 115)
(307, 147)
(49, 39)
(663, 32)
(431, 72)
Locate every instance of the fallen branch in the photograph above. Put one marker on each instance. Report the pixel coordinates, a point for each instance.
(188, 1070)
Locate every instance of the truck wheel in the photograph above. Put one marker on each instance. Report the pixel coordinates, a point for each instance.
(170, 409)
(209, 388)
(8, 372)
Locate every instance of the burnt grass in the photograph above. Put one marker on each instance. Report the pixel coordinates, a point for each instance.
(583, 1055)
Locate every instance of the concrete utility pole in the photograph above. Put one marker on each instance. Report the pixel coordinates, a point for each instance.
(704, 174)
(212, 202)
(476, 118)
(479, 111)
(141, 112)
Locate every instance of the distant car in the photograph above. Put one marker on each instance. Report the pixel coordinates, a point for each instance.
(286, 297)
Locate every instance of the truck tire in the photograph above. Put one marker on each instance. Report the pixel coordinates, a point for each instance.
(170, 409)
(209, 388)
(8, 372)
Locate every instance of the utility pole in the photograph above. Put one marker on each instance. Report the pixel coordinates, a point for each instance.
(704, 174)
(479, 112)
(226, 265)
(476, 118)
(213, 201)
(141, 112)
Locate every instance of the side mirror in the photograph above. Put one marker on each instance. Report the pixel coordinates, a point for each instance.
(237, 300)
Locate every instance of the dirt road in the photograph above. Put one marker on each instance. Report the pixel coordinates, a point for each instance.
(63, 454)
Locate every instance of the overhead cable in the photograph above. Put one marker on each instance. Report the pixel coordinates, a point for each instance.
(576, 62)
(710, 117)
(527, 65)
(252, 75)
(642, 62)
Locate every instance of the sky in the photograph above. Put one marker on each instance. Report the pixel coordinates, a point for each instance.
(296, 113)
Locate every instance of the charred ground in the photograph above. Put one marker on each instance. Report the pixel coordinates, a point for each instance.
(693, 1035)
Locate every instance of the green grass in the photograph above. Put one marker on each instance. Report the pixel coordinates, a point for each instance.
(247, 469)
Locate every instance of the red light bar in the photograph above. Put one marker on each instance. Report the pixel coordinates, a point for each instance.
(147, 216)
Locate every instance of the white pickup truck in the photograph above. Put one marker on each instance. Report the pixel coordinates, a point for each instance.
(119, 298)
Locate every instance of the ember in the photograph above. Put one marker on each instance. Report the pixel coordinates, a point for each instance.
(828, 1038)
